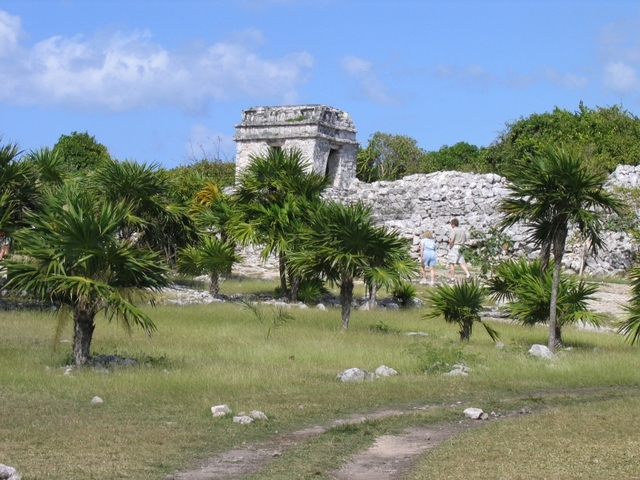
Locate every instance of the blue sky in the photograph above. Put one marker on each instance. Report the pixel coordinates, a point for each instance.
(166, 81)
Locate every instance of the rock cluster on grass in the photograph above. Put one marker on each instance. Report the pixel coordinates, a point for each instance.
(242, 418)
(359, 375)
(9, 473)
(428, 202)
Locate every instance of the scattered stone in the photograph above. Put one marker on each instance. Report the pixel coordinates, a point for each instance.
(499, 345)
(243, 419)
(524, 411)
(355, 375)
(543, 351)
(457, 369)
(96, 400)
(258, 415)
(220, 410)
(321, 306)
(416, 334)
(475, 413)
(384, 371)
(9, 473)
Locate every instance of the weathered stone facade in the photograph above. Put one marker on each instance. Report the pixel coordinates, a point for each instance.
(429, 201)
(325, 135)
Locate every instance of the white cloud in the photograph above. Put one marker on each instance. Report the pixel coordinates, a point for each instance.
(10, 32)
(476, 76)
(619, 49)
(621, 77)
(367, 80)
(469, 75)
(124, 71)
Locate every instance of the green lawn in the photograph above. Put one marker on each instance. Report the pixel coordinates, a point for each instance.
(156, 418)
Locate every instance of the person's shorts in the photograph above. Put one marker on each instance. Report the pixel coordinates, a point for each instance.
(429, 260)
(454, 255)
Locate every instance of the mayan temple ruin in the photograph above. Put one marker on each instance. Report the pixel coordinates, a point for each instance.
(325, 135)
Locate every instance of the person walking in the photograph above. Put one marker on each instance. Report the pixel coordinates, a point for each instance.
(457, 237)
(428, 257)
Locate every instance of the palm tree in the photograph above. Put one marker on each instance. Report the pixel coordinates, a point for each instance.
(342, 244)
(211, 257)
(165, 226)
(527, 288)
(77, 260)
(550, 193)
(630, 327)
(389, 262)
(274, 194)
(18, 186)
(461, 304)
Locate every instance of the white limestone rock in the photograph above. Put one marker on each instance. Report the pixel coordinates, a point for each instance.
(384, 371)
(542, 351)
(354, 375)
(9, 473)
(220, 410)
(475, 413)
(96, 400)
(243, 419)
(258, 415)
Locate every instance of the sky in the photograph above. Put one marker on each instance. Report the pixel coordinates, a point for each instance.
(166, 81)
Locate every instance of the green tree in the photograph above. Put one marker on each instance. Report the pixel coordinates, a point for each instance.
(388, 157)
(342, 244)
(527, 288)
(274, 196)
(163, 224)
(630, 326)
(18, 187)
(211, 257)
(461, 157)
(187, 180)
(460, 303)
(80, 152)
(607, 137)
(77, 259)
(549, 193)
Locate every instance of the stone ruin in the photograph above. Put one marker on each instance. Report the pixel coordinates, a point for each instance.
(325, 136)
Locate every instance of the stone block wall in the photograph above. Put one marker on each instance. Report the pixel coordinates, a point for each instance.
(429, 201)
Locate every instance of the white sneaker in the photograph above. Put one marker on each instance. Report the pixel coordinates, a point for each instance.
(423, 282)
(468, 275)
(433, 284)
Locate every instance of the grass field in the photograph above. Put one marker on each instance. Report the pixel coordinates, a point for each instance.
(156, 417)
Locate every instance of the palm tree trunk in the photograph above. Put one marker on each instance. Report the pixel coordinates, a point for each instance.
(558, 254)
(214, 286)
(294, 283)
(346, 295)
(83, 327)
(373, 294)
(465, 330)
(284, 291)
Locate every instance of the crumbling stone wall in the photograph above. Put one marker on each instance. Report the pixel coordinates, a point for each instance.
(325, 135)
(429, 201)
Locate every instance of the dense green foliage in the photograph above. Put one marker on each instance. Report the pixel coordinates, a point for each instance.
(606, 136)
(80, 152)
(187, 180)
